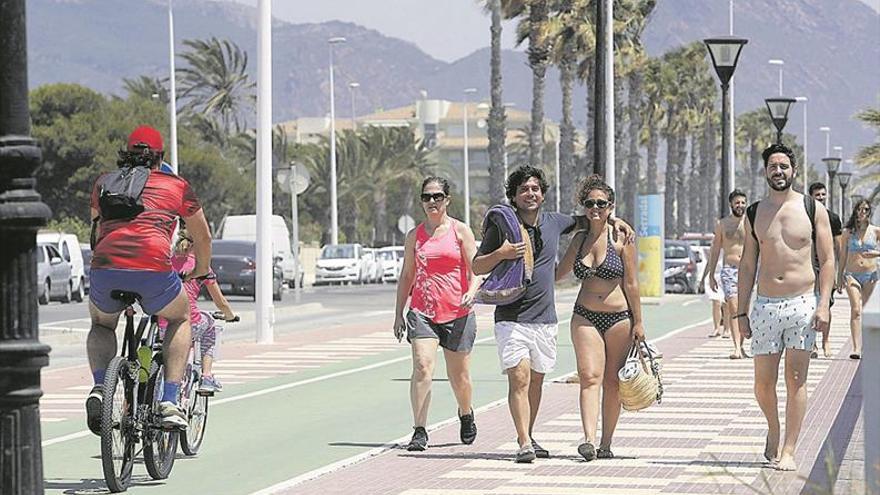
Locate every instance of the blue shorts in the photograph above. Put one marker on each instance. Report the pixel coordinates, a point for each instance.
(157, 289)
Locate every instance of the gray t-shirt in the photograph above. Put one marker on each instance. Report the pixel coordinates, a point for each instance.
(538, 304)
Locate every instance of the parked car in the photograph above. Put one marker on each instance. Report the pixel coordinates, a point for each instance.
(68, 246)
(244, 228)
(234, 263)
(372, 267)
(391, 260)
(339, 263)
(53, 275)
(87, 264)
(680, 271)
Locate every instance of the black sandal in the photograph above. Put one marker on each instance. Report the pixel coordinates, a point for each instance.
(587, 451)
(603, 453)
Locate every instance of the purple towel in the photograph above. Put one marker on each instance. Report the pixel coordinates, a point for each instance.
(507, 281)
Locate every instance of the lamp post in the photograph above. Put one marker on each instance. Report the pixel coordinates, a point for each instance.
(603, 93)
(804, 100)
(827, 131)
(265, 311)
(778, 108)
(780, 63)
(843, 178)
(833, 164)
(172, 97)
(334, 206)
(352, 86)
(467, 168)
(725, 53)
(21, 214)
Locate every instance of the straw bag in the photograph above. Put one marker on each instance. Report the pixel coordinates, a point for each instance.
(639, 380)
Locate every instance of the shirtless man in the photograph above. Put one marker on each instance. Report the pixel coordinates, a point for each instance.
(820, 193)
(787, 312)
(729, 237)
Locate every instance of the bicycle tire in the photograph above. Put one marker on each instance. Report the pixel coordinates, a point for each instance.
(117, 426)
(160, 445)
(197, 416)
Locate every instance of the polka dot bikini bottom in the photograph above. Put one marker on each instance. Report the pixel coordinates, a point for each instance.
(602, 321)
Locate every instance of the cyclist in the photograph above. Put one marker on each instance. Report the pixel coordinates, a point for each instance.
(134, 254)
(203, 330)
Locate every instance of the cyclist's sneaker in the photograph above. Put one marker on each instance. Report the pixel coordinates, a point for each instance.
(94, 406)
(209, 385)
(217, 385)
(173, 417)
(468, 431)
(419, 440)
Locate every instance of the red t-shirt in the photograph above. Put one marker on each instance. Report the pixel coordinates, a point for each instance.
(144, 243)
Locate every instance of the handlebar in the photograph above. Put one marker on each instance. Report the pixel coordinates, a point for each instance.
(218, 315)
(207, 276)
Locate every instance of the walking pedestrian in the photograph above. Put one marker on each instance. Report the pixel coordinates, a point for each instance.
(859, 272)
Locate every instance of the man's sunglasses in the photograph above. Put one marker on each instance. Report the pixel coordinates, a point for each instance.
(426, 197)
(596, 203)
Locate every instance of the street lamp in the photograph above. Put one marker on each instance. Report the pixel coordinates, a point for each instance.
(467, 168)
(506, 162)
(725, 52)
(781, 64)
(334, 207)
(778, 108)
(352, 86)
(833, 164)
(804, 100)
(21, 214)
(844, 178)
(827, 131)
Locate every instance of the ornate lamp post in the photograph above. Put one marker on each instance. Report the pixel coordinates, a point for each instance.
(833, 164)
(725, 52)
(21, 214)
(844, 178)
(778, 108)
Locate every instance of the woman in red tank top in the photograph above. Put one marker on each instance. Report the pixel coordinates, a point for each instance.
(437, 279)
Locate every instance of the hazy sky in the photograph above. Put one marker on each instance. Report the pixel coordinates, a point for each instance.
(445, 29)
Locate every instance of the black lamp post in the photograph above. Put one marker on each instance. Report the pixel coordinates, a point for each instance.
(725, 52)
(21, 214)
(778, 108)
(844, 178)
(833, 164)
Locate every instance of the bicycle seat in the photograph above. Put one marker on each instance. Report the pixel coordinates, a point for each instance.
(126, 297)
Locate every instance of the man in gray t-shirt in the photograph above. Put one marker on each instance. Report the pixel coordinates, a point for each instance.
(525, 331)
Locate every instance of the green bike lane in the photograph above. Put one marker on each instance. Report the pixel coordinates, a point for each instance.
(271, 430)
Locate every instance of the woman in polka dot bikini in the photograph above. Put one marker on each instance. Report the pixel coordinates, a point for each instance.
(607, 315)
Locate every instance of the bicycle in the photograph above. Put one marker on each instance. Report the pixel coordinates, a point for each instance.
(192, 401)
(133, 387)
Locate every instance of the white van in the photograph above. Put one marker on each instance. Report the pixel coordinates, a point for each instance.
(68, 246)
(244, 228)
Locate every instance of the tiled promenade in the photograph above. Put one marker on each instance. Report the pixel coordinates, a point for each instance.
(706, 437)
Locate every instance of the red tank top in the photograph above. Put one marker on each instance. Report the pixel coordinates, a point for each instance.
(441, 276)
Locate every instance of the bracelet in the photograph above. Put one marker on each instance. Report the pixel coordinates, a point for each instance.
(740, 315)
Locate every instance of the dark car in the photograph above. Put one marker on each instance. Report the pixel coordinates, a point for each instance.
(680, 271)
(87, 265)
(234, 263)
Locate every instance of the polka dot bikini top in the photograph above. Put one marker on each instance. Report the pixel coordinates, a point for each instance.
(610, 269)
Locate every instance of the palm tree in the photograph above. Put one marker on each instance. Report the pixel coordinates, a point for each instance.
(497, 127)
(753, 134)
(146, 87)
(216, 82)
(532, 26)
(869, 156)
(653, 114)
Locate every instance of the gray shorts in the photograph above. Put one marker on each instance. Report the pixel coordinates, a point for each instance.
(457, 335)
(780, 323)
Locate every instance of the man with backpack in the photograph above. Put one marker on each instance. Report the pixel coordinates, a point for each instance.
(134, 210)
(792, 234)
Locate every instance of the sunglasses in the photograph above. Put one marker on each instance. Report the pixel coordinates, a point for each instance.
(596, 203)
(427, 197)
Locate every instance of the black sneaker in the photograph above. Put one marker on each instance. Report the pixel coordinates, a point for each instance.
(419, 440)
(540, 452)
(587, 451)
(468, 432)
(94, 407)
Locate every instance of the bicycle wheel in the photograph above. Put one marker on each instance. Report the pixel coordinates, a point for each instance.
(160, 445)
(118, 434)
(197, 412)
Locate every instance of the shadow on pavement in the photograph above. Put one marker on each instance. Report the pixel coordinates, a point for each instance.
(92, 486)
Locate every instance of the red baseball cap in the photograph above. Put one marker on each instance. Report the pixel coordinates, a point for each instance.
(145, 136)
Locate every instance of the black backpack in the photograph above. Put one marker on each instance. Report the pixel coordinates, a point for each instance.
(810, 206)
(120, 191)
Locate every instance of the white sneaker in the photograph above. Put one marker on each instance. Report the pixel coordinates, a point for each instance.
(173, 417)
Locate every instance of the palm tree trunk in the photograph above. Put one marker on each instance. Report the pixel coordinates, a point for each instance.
(496, 131)
(633, 156)
(566, 133)
(681, 155)
(695, 188)
(588, 165)
(671, 181)
(653, 150)
(538, 56)
(380, 202)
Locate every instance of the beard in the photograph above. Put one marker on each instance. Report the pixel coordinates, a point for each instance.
(784, 187)
(738, 212)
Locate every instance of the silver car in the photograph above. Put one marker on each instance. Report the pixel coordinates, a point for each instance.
(53, 275)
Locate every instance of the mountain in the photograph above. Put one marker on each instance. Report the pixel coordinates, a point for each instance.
(830, 48)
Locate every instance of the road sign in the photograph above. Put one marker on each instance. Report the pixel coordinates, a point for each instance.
(296, 178)
(405, 223)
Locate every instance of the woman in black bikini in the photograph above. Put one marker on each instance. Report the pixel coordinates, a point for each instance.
(607, 315)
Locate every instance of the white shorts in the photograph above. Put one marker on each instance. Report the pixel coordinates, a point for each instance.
(780, 323)
(533, 341)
